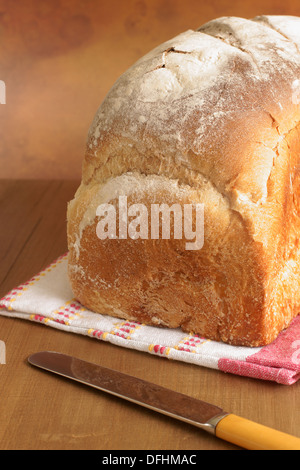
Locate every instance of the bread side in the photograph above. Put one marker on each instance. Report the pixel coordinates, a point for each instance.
(207, 117)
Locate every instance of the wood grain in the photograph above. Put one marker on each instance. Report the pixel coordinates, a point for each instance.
(42, 411)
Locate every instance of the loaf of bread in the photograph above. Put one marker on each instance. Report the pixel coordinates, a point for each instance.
(208, 120)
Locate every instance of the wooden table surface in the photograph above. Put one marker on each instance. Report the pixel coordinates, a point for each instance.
(39, 410)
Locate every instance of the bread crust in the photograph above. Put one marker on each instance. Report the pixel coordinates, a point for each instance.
(207, 117)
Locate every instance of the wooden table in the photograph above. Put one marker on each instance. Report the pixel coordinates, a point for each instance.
(42, 411)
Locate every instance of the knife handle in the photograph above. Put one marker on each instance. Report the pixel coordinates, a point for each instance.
(253, 436)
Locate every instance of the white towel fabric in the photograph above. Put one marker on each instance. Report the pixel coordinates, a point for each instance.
(47, 298)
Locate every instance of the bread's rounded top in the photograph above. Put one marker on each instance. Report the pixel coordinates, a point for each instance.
(209, 100)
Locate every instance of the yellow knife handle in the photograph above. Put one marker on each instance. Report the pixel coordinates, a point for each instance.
(253, 436)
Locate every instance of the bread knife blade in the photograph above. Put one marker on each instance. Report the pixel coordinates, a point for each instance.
(210, 418)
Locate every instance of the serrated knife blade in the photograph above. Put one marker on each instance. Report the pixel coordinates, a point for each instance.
(206, 416)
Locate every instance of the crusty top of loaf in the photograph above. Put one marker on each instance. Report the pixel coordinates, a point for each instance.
(209, 100)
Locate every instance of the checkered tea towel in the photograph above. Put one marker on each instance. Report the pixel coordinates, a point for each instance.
(47, 298)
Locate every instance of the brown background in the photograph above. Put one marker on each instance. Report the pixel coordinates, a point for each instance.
(60, 57)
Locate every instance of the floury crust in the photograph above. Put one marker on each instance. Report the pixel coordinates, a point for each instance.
(210, 117)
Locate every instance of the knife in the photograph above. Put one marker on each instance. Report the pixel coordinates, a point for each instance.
(210, 418)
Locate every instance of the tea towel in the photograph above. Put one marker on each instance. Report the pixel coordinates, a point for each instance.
(47, 298)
